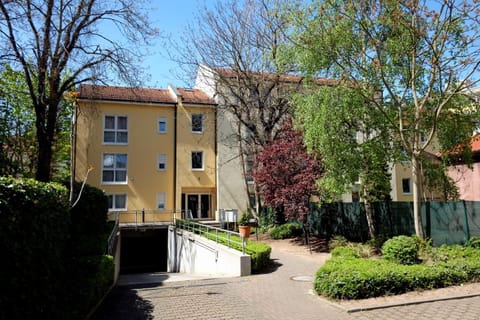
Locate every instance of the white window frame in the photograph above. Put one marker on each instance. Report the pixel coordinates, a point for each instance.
(115, 130)
(114, 202)
(162, 120)
(114, 168)
(202, 125)
(409, 186)
(161, 200)
(162, 159)
(203, 160)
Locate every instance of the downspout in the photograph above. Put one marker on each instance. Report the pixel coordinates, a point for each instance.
(175, 158)
(73, 152)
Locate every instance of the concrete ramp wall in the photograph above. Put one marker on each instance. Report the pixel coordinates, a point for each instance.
(191, 253)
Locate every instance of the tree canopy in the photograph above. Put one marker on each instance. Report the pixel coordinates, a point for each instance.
(60, 44)
(286, 174)
(417, 55)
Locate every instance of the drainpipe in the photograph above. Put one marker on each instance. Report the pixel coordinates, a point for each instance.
(175, 158)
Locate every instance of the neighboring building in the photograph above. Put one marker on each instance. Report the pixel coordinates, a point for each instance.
(151, 150)
(234, 91)
(467, 178)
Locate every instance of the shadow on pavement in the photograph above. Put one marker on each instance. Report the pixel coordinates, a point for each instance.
(123, 303)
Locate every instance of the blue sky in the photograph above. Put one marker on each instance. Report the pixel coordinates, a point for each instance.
(170, 18)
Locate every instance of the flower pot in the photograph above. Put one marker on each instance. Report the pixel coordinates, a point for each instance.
(244, 231)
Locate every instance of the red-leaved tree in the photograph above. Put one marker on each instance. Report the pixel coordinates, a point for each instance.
(286, 174)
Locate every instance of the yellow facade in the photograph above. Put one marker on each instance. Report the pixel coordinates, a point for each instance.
(147, 169)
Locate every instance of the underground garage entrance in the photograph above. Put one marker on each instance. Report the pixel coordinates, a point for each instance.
(144, 250)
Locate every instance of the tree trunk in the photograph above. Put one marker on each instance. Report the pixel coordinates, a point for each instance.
(417, 214)
(369, 214)
(44, 160)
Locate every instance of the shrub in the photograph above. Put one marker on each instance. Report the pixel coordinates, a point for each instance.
(347, 277)
(338, 241)
(89, 222)
(259, 253)
(401, 249)
(287, 230)
(34, 223)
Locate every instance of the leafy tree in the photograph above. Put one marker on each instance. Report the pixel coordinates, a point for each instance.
(17, 125)
(286, 174)
(419, 55)
(57, 45)
(235, 45)
(338, 123)
(17, 130)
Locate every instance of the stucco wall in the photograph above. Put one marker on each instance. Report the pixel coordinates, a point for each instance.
(467, 181)
(190, 253)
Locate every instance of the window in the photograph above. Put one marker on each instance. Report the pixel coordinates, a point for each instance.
(197, 160)
(115, 130)
(162, 162)
(161, 200)
(162, 125)
(406, 188)
(197, 123)
(117, 202)
(423, 137)
(114, 168)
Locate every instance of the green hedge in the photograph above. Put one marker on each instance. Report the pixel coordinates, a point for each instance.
(346, 276)
(401, 249)
(49, 269)
(287, 230)
(34, 222)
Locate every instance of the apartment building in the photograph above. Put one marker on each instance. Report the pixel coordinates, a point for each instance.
(151, 150)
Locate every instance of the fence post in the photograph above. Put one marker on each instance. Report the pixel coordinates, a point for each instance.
(467, 227)
(429, 220)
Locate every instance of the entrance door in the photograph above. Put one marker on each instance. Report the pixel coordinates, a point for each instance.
(197, 204)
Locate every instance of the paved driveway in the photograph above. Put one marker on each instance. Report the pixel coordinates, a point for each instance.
(282, 293)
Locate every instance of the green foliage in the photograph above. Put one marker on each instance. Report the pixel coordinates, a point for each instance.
(244, 219)
(337, 241)
(287, 230)
(89, 221)
(34, 223)
(347, 252)
(401, 249)
(259, 253)
(41, 261)
(348, 277)
(267, 219)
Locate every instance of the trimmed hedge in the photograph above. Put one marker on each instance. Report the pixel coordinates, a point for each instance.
(47, 271)
(34, 222)
(287, 230)
(345, 276)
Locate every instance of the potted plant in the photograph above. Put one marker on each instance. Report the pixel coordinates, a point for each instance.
(244, 225)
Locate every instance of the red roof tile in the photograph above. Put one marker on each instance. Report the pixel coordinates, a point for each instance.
(142, 95)
(285, 78)
(195, 96)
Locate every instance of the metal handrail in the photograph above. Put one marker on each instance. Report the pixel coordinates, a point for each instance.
(203, 229)
(113, 236)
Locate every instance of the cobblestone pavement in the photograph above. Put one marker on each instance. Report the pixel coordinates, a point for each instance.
(272, 295)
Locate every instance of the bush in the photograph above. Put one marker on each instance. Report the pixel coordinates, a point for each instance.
(347, 277)
(259, 253)
(287, 230)
(89, 222)
(401, 249)
(34, 222)
(337, 241)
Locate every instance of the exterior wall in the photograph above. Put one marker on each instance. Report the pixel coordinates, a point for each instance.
(467, 181)
(145, 143)
(231, 187)
(190, 253)
(144, 181)
(399, 172)
(232, 192)
(196, 181)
